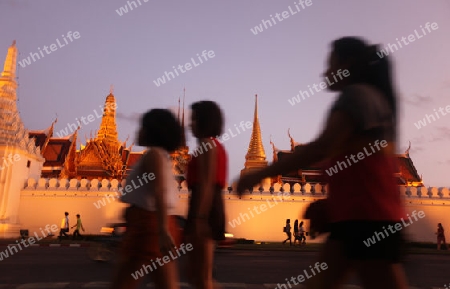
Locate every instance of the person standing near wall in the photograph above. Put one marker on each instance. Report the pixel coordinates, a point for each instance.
(441, 237)
(64, 226)
(302, 234)
(79, 226)
(287, 230)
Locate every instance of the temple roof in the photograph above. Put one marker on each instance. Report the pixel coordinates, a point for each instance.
(408, 171)
(56, 151)
(406, 174)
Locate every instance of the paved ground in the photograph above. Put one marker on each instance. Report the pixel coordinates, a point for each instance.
(69, 268)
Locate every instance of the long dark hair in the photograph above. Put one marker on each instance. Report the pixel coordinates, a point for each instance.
(161, 129)
(209, 118)
(367, 66)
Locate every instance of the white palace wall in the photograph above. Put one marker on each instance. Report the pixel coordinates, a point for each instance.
(44, 202)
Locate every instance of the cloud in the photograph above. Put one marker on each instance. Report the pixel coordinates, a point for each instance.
(13, 3)
(132, 117)
(446, 84)
(444, 132)
(416, 99)
(444, 162)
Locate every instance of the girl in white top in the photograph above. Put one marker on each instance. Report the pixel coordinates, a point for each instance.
(152, 232)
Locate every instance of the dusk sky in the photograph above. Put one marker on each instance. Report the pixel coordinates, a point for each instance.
(132, 50)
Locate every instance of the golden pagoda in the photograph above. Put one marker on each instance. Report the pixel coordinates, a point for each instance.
(103, 156)
(256, 157)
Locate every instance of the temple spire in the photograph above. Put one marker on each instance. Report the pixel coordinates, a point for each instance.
(12, 131)
(256, 156)
(255, 147)
(183, 136)
(9, 68)
(108, 127)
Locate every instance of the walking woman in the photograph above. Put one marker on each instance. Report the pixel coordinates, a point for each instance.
(287, 230)
(152, 231)
(296, 234)
(302, 234)
(441, 237)
(363, 196)
(207, 172)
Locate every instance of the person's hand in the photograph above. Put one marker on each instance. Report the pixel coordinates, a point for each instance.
(166, 243)
(247, 182)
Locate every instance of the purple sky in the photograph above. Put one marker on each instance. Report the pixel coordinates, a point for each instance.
(132, 50)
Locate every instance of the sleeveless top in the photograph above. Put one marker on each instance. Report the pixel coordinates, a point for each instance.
(138, 190)
(192, 177)
(365, 189)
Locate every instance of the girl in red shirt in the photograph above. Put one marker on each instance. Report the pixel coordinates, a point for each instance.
(207, 172)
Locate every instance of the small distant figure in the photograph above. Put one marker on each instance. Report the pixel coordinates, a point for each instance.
(296, 233)
(302, 233)
(79, 225)
(64, 226)
(441, 237)
(287, 230)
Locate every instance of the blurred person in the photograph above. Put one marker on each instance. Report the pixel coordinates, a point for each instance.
(206, 178)
(296, 234)
(151, 230)
(302, 233)
(287, 230)
(441, 237)
(363, 196)
(79, 226)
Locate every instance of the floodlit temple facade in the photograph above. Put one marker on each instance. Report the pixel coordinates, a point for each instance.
(43, 175)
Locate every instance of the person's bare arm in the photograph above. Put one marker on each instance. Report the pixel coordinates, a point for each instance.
(154, 165)
(207, 171)
(338, 129)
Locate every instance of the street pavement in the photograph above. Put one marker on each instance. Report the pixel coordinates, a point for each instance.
(70, 268)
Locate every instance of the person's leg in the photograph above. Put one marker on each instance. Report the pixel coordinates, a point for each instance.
(377, 274)
(77, 234)
(338, 267)
(200, 264)
(123, 278)
(287, 235)
(166, 277)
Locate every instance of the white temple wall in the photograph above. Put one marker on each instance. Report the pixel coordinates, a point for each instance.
(13, 173)
(37, 210)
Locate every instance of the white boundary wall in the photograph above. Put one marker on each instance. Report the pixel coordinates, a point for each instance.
(44, 202)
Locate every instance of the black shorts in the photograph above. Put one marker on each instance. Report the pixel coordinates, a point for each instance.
(370, 240)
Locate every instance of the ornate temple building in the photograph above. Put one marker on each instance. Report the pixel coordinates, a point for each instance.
(102, 157)
(256, 159)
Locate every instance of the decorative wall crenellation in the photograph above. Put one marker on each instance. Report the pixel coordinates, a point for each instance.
(308, 189)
